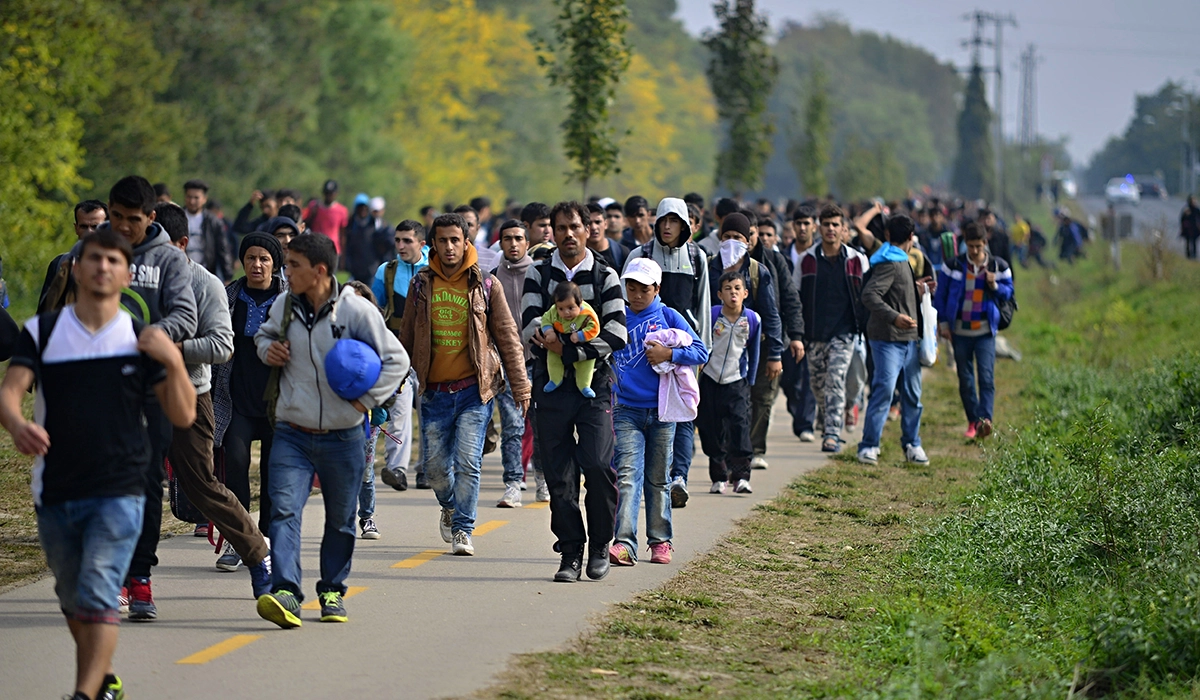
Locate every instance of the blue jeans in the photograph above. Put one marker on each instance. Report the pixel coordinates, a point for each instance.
(512, 431)
(337, 458)
(89, 543)
(642, 457)
(895, 362)
(683, 449)
(366, 492)
(970, 351)
(453, 428)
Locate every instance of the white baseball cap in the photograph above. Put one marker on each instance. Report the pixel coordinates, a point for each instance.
(643, 270)
(377, 204)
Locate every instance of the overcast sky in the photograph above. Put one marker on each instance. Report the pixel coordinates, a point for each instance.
(1096, 54)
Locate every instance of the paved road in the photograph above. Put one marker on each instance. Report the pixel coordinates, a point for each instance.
(1148, 214)
(422, 623)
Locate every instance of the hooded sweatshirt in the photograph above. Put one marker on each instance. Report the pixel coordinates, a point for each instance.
(637, 382)
(451, 360)
(404, 274)
(512, 279)
(160, 291)
(305, 396)
(684, 266)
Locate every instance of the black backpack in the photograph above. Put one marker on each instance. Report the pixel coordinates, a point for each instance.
(1007, 307)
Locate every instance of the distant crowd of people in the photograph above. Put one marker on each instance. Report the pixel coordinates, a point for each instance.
(587, 340)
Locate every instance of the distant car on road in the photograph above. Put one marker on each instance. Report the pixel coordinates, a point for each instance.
(1151, 186)
(1066, 184)
(1122, 189)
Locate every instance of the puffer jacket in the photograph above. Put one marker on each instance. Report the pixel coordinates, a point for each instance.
(492, 337)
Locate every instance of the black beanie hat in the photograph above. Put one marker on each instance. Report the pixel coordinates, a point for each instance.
(736, 222)
(263, 240)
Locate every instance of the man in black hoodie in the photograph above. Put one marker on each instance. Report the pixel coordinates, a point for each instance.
(764, 391)
(160, 293)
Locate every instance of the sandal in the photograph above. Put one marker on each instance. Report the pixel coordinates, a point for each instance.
(831, 444)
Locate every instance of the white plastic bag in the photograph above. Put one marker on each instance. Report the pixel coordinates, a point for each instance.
(929, 325)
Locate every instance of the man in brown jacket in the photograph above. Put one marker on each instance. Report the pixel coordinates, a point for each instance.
(458, 329)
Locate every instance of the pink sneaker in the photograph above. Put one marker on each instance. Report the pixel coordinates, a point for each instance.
(620, 555)
(661, 553)
(970, 434)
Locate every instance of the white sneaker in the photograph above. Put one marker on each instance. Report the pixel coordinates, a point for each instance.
(743, 486)
(543, 489)
(511, 497)
(445, 523)
(462, 545)
(524, 486)
(717, 487)
(869, 455)
(758, 462)
(915, 454)
(808, 436)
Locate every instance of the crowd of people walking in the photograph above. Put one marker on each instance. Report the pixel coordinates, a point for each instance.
(588, 341)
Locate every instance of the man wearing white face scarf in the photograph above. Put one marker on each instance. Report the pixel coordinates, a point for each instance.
(735, 241)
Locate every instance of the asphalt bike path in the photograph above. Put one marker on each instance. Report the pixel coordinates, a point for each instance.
(422, 623)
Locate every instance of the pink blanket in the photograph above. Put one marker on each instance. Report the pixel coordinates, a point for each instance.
(678, 390)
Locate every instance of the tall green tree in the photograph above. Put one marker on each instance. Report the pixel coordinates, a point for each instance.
(587, 58)
(742, 71)
(973, 171)
(812, 154)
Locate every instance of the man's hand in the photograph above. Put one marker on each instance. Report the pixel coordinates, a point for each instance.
(158, 346)
(524, 407)
(797, 349)
(548, 341)
(926, 283)
(31, 439)
(774, 369)
(904, 322)
(278, 354)
(991, 280)
(657, 353)
(256, 196)
(944, 330)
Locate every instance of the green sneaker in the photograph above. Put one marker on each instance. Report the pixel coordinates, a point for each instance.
(113, 689)
(280, 607)
(332, 609)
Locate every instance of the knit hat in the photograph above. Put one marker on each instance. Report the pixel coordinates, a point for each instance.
(736, 222)
(263, 240)
(352, 367)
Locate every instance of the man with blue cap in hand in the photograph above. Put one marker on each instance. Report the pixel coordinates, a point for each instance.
(317, 398)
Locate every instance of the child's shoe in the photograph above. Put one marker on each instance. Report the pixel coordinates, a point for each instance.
(587, 392)
(550, 386)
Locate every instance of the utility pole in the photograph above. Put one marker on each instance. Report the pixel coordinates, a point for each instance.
(1028, 105)
(1000, 21)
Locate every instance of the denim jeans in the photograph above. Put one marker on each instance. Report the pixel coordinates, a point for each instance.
(642, 457)
(895, 363)
(337, 458)
(366, 492)
(683, 449)
(89, 543)
(970, 351)
(512, 432)
(453, 427)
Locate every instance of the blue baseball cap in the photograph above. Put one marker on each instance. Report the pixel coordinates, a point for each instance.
(352, 368)
(362, 199)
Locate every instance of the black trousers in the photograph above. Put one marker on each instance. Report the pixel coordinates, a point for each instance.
(797, 387)
(145, 554)
(724, 422)
(558, 417)
(241, 432)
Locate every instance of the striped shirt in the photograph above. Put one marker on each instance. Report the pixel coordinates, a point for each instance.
(604, 294)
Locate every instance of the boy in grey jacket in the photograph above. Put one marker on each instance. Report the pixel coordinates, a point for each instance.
(892, 296)
(316, 430)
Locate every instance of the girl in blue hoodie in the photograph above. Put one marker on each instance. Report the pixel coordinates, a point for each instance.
(643, 442)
